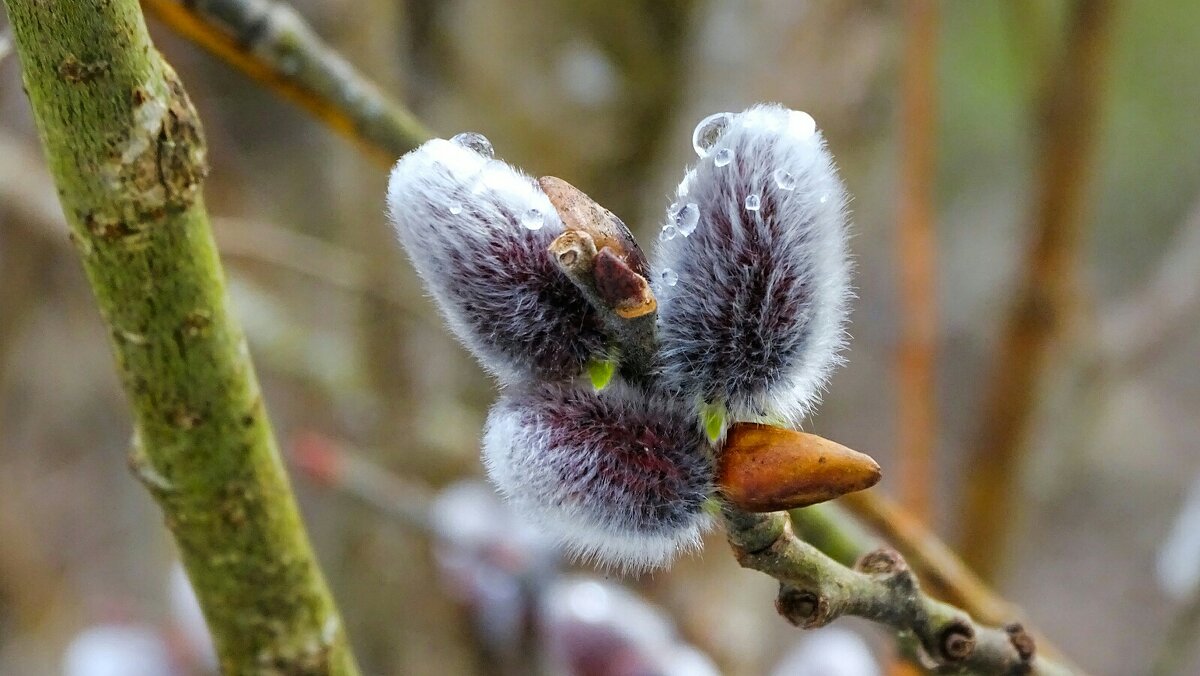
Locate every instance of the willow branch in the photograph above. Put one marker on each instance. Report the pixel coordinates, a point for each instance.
(401, 499)
(938, 567)
(815, 590)
(1069, 114)
(126, 151)
(269, 42)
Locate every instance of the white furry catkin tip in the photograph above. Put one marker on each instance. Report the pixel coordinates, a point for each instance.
(616, 476)
(752, 272)
(477, 231)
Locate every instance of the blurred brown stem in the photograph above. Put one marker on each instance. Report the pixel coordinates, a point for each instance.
(269, 42)
(1068, 117)
(916, 246)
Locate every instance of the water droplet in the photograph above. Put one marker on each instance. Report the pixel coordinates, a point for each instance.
(824, 198)
(668, 232)
(687, 218)
(456, 208)
(753, 201)
(785, 180)
(722, 157)
(533, 219)
(801, 124)
(673, 210)
(708, 131)
(669, 277)
(475, 141)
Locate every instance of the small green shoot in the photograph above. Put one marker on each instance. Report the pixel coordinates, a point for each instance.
(713, 417)
(601, 371)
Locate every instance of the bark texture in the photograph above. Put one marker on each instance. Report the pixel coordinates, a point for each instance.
(127, 153)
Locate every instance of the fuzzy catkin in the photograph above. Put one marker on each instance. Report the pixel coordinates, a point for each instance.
(754, 319)
(462, 219)
(617, 476)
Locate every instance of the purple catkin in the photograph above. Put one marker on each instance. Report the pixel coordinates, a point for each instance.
(461, 218)
(617, 476)
(756, 317)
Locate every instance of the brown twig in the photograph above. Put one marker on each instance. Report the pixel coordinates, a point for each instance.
(916, 246)
(815, 590)
(1069, 114)
(270, 43)
(940, 568)
(832, 529)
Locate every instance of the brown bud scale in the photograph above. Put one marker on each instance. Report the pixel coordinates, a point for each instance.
(763, 468)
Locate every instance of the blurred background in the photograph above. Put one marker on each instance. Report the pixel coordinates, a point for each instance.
(379, 410)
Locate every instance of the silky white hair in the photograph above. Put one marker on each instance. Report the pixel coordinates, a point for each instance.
(461, 218)
(617, 476)
(752, 304)
(753, 316)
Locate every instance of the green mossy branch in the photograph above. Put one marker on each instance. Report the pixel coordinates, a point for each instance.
(126, 150)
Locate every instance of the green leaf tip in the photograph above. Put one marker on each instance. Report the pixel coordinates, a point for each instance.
(601, 371)
(713, 418)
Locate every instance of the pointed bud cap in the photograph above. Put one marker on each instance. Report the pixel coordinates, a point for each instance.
(768, 469)
(598, 250)
(580, 212)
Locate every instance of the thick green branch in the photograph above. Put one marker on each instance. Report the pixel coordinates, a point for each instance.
(126, 151)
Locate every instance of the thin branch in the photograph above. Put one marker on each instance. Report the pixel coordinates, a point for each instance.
(1044, 299)
(948, 577)
(332, 265)
(402, 499)
(916, 247)
(28, 193)
(125, 147)
(815, 590)
(940, 568)
(269, 42)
